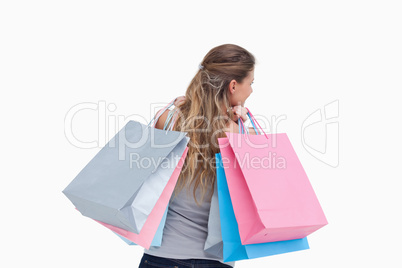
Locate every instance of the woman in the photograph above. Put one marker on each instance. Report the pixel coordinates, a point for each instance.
(213, 103)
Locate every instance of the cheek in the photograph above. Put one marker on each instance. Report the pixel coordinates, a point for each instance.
(246, 91)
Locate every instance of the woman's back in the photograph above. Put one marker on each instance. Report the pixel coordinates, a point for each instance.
(213, 102)
(186, 228)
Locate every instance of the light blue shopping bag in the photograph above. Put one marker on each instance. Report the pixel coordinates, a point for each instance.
(233, 250)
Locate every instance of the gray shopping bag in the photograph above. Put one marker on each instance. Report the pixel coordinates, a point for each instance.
(108, 186)
(214, 244)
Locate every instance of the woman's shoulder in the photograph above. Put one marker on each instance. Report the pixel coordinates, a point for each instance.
(234, 128)
(162, 119)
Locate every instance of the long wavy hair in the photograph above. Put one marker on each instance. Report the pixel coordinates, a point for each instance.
(204, 114)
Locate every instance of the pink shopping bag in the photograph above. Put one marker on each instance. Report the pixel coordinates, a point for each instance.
(147, 233)
(272, 197)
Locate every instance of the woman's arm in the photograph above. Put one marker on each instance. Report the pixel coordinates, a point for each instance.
(240, 112)
(251, 131)
(234, 128)
(162, 119)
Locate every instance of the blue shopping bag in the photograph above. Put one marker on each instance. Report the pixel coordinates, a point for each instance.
(233, 250)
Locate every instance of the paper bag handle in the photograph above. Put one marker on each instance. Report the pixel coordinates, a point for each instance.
(253, 121)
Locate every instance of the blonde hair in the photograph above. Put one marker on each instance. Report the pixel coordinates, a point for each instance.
(201, 113)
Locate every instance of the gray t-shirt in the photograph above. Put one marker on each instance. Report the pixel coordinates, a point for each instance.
(186, 229)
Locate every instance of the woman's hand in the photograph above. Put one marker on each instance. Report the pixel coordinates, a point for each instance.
(179, 101)
(240, 111)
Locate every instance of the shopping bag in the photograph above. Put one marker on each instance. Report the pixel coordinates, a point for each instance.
(151, 233)
(156, 241)
(214, 244)
(122, 183)
(272, 197)
(233, 250)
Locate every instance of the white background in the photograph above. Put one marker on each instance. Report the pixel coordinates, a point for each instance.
(58, 54)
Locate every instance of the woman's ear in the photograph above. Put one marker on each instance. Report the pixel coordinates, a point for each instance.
(232, 85)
